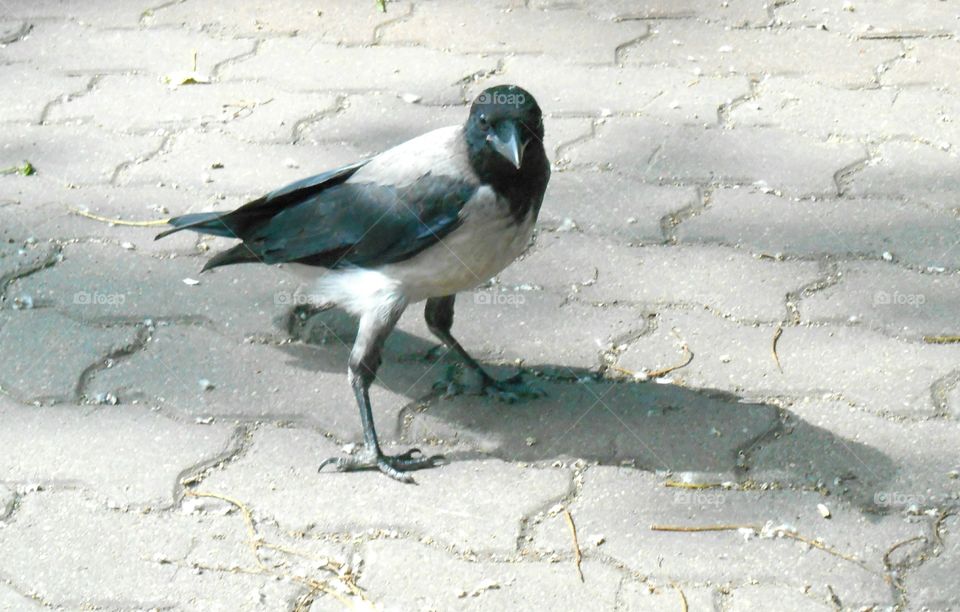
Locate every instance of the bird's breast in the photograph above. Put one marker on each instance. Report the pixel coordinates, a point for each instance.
(487, 241)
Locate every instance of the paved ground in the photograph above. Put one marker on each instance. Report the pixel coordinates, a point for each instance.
(764, 192)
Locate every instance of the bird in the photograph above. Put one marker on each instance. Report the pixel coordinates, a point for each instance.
(438, 214)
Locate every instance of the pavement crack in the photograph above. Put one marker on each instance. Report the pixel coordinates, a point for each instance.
(152, 11)
(940, 391)
(50, 259)
(139, 341)
(621, 49)
(841, 178)
(670, 221)
(379, 29)
(236, 446)
(829, 276)
(296, 133)
(560, 151)
(162, 148)
(536, 516)
(17, 34)
(69, 96)
(724, 110)
(235, 59)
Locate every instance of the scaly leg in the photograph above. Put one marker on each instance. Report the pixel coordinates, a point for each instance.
(439, 315)
(375, 326)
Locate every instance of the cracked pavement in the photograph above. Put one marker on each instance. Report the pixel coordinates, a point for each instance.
(742, 302)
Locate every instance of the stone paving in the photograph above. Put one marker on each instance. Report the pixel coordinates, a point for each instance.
(742, 303)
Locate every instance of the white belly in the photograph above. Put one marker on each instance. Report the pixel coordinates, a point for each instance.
(485, 243)
(469, 256)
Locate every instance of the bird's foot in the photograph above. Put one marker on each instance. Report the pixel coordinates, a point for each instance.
(509, 390)
(394, 466)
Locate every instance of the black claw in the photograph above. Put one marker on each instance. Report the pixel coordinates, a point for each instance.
(395, 466)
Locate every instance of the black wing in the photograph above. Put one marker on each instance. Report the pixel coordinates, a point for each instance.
(231, 224)
(361, 224)
(344, 224)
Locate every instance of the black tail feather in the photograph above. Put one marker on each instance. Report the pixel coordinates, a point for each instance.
(205, 223)
(240, 253)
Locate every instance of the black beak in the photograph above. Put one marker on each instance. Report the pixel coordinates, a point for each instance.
(506, 141)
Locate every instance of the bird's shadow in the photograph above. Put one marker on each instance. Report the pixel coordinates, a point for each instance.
(704, 434)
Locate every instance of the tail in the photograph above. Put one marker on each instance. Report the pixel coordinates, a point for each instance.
(205, 223)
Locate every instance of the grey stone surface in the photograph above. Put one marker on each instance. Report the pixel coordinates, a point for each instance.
(504, 324)
(717, 50)
(604, 204)
(668, 94)
(114, 290)
(399, 575)
(30, 90)
(925, 582)
(777, 598)
(649, 598)
(911, 170)
(735, 13)
(882, 19)
(431, 74)
(55, 152)
(396, 122)
(862, 227)
(928, 61)
(866, 368)
(627, 503)
(104, 14)
(337, 21)
(200, 375)
(661, 275)
(475, 29)
(470, 505)
(119, 452)
(720, 169)
(890, 298)
(7, 499)
(654, 427)
(85, 49)
(141, 103)
(701, 155)
(868, 460)
(53, 353)
(11, 599)
(251, 169)
(115, 558)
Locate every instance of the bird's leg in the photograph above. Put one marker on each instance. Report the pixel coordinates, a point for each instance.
(375, 326)
(439, 316)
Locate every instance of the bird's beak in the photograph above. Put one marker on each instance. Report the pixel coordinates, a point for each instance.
(506, 141)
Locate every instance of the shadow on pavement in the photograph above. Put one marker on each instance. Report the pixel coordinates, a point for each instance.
(703, 435)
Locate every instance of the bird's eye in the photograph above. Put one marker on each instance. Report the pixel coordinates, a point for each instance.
(482, 122)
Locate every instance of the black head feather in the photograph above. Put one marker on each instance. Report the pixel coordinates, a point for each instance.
(495, 115)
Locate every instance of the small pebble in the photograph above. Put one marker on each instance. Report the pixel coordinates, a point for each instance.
(823, 510)
(205, 385)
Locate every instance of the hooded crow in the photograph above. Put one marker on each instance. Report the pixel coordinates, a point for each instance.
(433, 216)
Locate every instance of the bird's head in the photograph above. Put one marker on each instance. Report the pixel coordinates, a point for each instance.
(504, 122)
